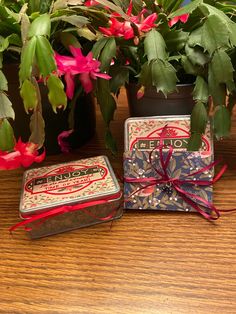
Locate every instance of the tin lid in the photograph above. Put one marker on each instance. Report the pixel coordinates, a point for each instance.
(143, 133)
(67, 183)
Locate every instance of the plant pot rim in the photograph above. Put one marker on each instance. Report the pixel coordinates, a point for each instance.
(177, 85)
(181, 85)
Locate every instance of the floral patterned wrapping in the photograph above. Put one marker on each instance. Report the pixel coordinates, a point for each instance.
(162, 196)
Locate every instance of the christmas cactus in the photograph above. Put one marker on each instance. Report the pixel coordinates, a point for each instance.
(105, 44)
(36, 34)
(162, 43)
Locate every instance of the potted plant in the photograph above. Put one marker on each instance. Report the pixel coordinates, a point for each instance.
(43, 40)
(155, 43)
(160, 44)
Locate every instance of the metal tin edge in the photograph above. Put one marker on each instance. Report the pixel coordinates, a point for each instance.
(22, 189)
(117, 186)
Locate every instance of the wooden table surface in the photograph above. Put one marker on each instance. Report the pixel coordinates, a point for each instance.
(144, 263)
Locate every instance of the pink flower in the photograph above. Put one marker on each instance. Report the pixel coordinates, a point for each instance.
(144, 24)
(125, 28)
(67, 66)
(118, 29)
(85, 66)
(24, 154)
(89, 68)
(62, 141)
(182, 18)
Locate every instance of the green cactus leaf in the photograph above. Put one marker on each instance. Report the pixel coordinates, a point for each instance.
(6, 110)
(7, 140)
(44, 56)
(41, 26)
(56, 94)
(29, 95)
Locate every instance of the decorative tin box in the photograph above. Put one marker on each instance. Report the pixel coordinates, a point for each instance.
(150, 183)
(68, 196)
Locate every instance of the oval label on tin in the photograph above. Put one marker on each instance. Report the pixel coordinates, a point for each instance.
(175, 136)
(60, 180)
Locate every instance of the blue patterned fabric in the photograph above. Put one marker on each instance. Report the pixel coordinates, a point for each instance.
(164, 196)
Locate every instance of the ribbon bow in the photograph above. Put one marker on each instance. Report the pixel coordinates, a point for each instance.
(204, 207)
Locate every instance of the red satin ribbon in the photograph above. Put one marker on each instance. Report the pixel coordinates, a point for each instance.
(65, 209)
(195, 201)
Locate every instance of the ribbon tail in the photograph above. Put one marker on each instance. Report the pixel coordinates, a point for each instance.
(220, 173)
(187, 197)
(42, 216)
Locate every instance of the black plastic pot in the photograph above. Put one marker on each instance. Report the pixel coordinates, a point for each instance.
(84, 117)
(156, 104)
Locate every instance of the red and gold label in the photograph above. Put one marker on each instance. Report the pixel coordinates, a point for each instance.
(57, 181)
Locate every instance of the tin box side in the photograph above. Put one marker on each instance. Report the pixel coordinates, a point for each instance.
(78, 219)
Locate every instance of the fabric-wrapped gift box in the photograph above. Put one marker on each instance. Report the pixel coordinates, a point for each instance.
(188, 175)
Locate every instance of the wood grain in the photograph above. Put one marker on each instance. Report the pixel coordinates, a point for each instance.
(144, 263)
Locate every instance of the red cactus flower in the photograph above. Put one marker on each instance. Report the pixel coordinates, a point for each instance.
(182, 18)
(125, 28)
(62, 141)
(91, 3)
(86, 66)
(24, 154)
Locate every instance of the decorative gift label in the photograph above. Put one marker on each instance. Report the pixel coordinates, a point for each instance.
(67, 183)
(144, 133)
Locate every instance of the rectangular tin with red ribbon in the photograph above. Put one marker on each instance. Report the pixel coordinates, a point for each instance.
(68, 196)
